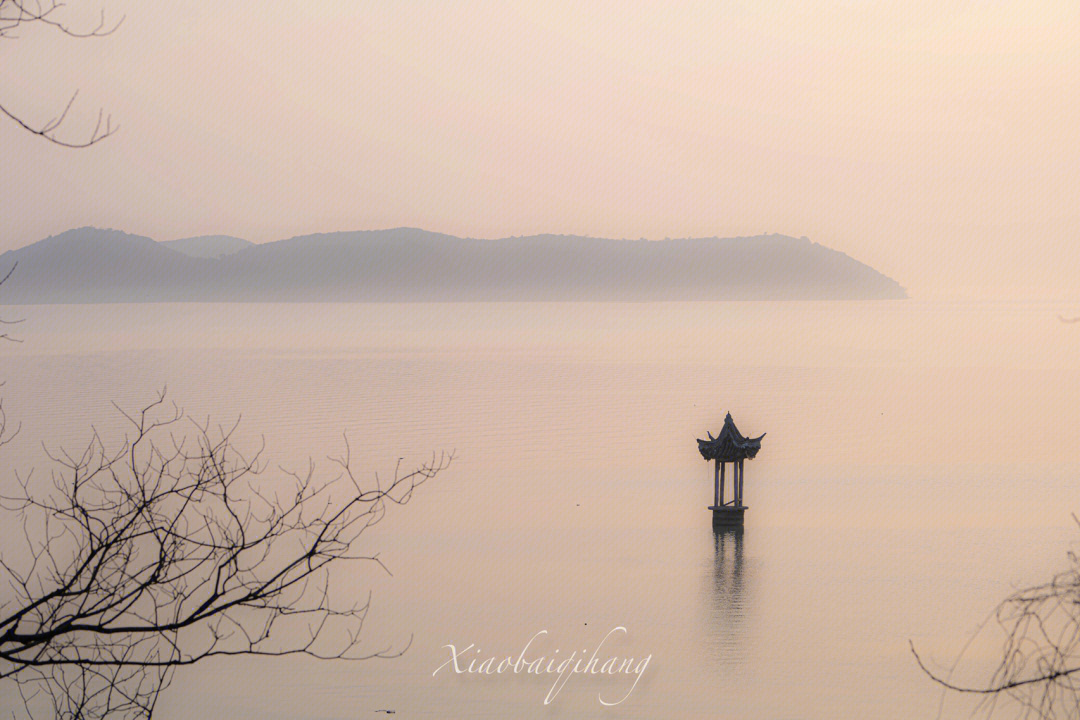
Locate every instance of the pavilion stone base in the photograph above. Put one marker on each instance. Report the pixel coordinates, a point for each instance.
(727, 515)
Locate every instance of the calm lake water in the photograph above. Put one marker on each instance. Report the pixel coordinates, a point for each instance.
(921, 462)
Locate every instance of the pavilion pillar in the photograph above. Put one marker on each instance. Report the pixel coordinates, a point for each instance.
(720, 496)
(741, 470)
(735, 483)
(716, 482)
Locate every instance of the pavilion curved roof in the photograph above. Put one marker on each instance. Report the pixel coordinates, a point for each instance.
(730, 445)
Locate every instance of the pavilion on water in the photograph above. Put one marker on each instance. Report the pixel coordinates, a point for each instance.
(729, 447)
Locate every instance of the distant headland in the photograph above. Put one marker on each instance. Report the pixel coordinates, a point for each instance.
(90, 265)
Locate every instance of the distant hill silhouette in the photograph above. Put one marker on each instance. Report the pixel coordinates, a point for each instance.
(405, 265)
(207, 246)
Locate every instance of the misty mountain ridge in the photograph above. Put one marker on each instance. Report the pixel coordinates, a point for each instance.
(90, 265)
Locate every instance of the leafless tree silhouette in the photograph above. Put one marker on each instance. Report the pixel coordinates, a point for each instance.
(174, 547)
(17, 15)
(1039, 671)
(6, 433)
(4, 334)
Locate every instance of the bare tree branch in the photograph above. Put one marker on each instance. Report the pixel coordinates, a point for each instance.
(1039, 669)
(174, 547)
(15, 14)
(3, 321)
(19, 14)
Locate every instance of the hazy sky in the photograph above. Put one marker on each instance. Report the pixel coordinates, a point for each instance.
(936, 141)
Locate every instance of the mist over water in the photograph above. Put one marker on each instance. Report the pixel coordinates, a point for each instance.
(920, 463)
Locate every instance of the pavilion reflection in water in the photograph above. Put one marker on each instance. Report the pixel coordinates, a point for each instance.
(728, 597)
